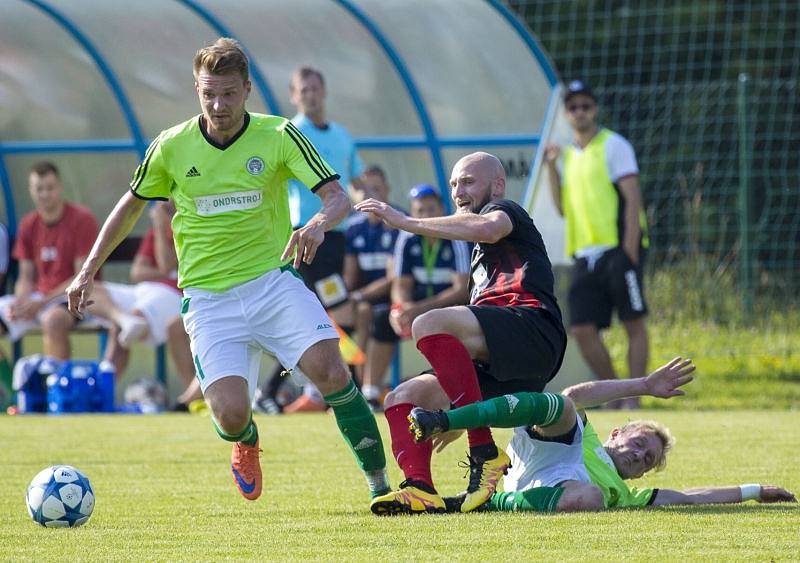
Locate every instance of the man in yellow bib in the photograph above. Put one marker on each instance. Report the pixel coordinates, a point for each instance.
(597, 192)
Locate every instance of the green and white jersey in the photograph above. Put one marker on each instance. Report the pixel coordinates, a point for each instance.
(603, 473)
(232, 221)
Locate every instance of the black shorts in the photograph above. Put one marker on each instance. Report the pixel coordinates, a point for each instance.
(613, 283)
(329, 261)
(381, 330)
(526, 348)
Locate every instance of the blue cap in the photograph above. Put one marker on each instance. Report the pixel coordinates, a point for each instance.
(578, 87)
(423, 190)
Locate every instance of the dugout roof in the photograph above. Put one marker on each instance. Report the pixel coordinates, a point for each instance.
(418, 83)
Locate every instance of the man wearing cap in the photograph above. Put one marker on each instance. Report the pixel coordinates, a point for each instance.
(597, 191)
(429, 273)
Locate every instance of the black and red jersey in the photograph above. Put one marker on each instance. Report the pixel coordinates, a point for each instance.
(515, 271)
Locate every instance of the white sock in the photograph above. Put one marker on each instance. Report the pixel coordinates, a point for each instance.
(371, 391)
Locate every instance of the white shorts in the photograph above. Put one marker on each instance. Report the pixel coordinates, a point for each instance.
(275, 312)
(159, 303)
(18, 329)
(537, 463)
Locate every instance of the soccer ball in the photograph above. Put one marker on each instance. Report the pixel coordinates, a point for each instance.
(60, 497)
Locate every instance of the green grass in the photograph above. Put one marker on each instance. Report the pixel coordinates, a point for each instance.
(164, 493)
(738, 367)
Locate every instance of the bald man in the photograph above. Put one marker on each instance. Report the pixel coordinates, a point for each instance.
(509, 339)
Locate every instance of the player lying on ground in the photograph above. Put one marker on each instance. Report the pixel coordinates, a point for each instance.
(558, 463)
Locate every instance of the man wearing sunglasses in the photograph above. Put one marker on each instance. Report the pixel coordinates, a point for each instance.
(596, 189)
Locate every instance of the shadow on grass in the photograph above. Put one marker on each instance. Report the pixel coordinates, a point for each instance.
(726, 508)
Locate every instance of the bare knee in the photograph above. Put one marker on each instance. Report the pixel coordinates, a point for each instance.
(232, 421)
(323, 365)
(57, 321)
(636, 328)
(580, 497)
(229, 401)
(431, 322)
(583, 331)
(423, 391)
(364, 311)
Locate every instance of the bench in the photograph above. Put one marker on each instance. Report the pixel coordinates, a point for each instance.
(124, 253)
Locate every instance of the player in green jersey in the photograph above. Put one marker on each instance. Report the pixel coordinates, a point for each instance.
(558, 463)
(227, 172)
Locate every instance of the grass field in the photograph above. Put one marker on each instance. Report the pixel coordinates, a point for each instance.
(164, 493)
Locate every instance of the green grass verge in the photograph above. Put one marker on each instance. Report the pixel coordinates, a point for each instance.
(738, 367)
(164, 493)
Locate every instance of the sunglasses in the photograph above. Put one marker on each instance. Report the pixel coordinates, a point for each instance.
(572, 108)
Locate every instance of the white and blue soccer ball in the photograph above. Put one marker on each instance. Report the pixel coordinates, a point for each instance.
(60, 497)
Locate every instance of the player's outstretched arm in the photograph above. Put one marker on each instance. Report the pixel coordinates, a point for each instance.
(488, 228)
(117, 226)
(724, 495)
(665, 382)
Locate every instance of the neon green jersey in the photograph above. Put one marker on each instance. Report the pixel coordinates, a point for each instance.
(232, 222)
(603, 473)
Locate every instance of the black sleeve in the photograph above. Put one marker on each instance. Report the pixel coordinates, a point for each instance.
(508, 207)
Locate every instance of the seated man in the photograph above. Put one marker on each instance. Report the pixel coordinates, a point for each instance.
(558, 463)
(52, 243)
(429, 273)
(368, 255)
(154, 303)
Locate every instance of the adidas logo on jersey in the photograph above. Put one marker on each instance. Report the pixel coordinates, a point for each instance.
(192, 173)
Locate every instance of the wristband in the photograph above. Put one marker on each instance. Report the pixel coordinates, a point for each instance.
(751, 491)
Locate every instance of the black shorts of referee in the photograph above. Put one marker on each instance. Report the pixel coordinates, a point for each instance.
(606, 284)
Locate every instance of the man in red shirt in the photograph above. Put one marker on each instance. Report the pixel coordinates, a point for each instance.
(52, 243)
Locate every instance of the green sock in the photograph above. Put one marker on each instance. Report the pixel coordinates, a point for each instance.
(509, 411)
(359, 429)
(538, 499)
(248, 436)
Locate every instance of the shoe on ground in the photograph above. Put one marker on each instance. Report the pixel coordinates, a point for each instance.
(408, 499)
(484, 474)
(304, 403)
(425, 424)
(267, 405)
(453, 504)
(246, 470)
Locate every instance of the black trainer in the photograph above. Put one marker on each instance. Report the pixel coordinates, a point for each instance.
(426, 424)
(453, 504)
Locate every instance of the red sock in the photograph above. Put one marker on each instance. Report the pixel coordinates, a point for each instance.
(414, 459)
(456, 374)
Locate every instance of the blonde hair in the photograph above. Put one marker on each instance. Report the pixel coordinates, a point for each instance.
(663, 433)
(223, 56)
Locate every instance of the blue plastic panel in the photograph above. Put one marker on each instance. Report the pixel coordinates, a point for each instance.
(150, 45)
(363, 90)
(476, 74)
(50, 88)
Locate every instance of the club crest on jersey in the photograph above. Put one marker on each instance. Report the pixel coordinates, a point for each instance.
(255, 165)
